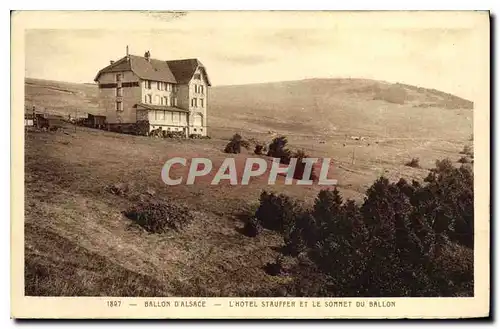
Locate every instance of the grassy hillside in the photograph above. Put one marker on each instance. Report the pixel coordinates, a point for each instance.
(331, 107)
(61, 98)
(323, 107)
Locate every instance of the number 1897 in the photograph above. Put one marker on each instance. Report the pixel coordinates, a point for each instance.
(114, 303)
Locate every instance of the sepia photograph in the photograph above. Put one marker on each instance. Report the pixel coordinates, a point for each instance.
(240, 160)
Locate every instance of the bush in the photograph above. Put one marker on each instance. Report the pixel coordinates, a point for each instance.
(159, 217)
(404, 240)
(252, 228)
(447, 201)
(277, 212)
(235, 144)
(259, 149)
(300, 167)
(275, 268)
(414, 163)
(464, 160)
(277, 149)
(174, 134)
(233, 147)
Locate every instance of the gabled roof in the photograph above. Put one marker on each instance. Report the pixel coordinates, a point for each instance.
(183, 69)
(149, 70)
(160, 107)
(176, 71)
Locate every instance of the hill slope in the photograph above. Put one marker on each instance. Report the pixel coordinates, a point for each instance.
(335, 106)
(319, 106)
(67, 175)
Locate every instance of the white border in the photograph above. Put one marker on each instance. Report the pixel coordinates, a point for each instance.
(185, 5)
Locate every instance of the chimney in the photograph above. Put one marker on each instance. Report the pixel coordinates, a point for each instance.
(147, 55)
(111, 62)
(127, 54)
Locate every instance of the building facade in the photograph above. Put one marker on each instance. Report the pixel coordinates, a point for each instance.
(171, 95)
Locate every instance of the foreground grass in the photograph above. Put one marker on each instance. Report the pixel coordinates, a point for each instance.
(78, 242)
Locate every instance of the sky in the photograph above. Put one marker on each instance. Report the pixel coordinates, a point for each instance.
(434, 50)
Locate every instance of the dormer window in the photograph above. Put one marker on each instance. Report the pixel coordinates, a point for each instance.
(197, 76)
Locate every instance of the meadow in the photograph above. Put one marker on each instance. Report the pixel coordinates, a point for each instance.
(79, 242)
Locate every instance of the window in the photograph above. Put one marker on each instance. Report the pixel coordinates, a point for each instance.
(200, 89)
(119, 106)
(157, 100)
(147, 99)
(174, 101)
(195, 88)
(193, 102)
(147, 84)
(201, 102)
(118, 77)
(158, 85)
(197, 76)
(159, 115)
(119, 92)
(169, 87)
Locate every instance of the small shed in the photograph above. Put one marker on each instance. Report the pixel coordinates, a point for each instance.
(96, 121)
(49, 121)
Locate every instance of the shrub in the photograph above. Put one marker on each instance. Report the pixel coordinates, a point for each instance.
(447, 201)
(174, 134)
(252, 227)
(259, 149)
(277, 212)
(414, 163)
(277, 149)
(233, 147)
(159, 217)
(293, 235)
(235, 144)
(275, 268)
(405, 239)
(464, 160)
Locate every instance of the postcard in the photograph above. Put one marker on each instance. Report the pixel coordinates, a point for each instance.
(250, 164)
